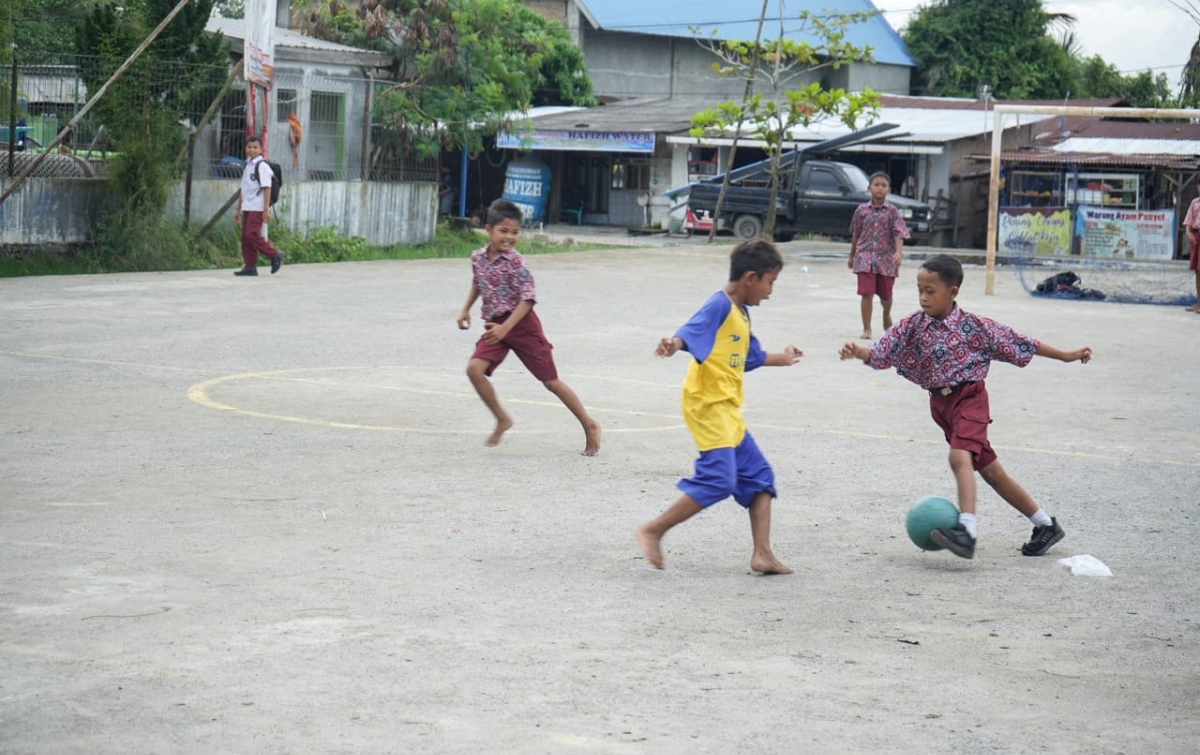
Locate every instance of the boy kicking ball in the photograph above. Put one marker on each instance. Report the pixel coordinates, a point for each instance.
(947, 352)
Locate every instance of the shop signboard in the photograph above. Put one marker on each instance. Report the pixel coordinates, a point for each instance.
(1040, 232)
(1126, 234)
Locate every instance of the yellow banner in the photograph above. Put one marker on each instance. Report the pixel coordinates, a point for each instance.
(1035, 232)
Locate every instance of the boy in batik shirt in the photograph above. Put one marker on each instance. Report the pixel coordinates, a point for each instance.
(947, 352)
(877, 234)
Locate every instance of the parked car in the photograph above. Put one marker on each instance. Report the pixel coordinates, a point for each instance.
(819, 197)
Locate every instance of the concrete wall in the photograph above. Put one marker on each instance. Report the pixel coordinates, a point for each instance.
(58, 212)
(50, 212)
(631, 65)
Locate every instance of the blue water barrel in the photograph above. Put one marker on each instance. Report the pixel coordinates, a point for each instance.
(527, 185)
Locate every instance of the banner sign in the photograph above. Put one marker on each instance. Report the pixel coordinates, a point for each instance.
(1126, 234)
(259, 48)
(1035, 231)
(578, 141)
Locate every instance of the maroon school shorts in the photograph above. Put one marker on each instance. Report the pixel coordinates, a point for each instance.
(870, 284)
(528, 342)
(964, 417)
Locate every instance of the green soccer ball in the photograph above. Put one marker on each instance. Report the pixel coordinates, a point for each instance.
(927, 515)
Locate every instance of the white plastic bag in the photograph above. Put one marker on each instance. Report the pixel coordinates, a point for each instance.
(1086, 566)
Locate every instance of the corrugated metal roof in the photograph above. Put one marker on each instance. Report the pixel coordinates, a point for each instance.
(657, 115)
(739, 20)
(1045, 157)
(235, 29)
(673, 116)
(1062, 127)
(920, 126)
(52, 84)
(1181, 147)
(965, 103)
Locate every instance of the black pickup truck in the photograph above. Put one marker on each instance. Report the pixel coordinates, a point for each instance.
(821, 199)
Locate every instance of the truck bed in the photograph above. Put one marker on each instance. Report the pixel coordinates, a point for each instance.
(739, 200)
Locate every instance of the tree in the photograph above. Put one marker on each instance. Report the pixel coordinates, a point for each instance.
(34, 31)
(231, 8)
(178, 74)
(1189, 79)
(1097, 78)
(770, 115)
(463, 67)
(962, 44)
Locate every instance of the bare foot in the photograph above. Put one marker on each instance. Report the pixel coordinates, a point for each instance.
(591, 435)
(866, 336)
(502, 427)
(1193, 308)
(650, 542)
(768, 564)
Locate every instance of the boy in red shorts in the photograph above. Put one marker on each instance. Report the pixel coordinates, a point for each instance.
(503, 280)
(947, 352)
(877, 234)
(1191, 226)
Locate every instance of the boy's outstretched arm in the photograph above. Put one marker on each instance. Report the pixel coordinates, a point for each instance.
(1078, 355)
(668, 346)
(786, 358)
(854, 350)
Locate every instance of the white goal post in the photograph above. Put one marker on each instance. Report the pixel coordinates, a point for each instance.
(1000, 110)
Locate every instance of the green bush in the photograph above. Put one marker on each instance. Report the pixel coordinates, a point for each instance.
(145, 244)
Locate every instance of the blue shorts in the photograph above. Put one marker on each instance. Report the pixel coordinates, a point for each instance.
(741, 472)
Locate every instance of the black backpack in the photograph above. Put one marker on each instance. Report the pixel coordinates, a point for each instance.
(276, 181)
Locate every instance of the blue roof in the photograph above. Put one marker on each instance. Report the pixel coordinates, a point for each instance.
(739, 20)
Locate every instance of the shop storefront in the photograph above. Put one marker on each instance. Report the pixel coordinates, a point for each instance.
(601, 177)
(1122, 211)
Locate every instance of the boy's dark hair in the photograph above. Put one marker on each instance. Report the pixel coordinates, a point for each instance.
(502, 210)
(755, 256)
(948, 268)
(880, 174)
(254, 139)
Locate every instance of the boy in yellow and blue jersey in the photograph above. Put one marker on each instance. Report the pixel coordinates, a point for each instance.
(723, 349)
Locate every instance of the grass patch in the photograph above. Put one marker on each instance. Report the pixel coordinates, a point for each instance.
(168, 247)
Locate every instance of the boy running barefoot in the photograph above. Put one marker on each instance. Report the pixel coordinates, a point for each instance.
(723, 348)
(504, 282)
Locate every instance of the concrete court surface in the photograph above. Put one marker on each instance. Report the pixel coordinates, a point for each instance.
(257, 516)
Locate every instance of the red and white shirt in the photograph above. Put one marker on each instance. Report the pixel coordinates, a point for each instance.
(939, 353)
(876, 230)
(503, 283)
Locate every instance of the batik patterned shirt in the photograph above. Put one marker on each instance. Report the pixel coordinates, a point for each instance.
(876, 230)
(503, 283)
(723, 349)
(939, 353)
(1192, 218)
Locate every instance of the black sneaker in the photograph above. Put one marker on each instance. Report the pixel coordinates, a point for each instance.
(956, 540)
(246, 271)
(1043, 537)
(277, 262)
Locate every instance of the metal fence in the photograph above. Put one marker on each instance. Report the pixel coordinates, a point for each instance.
(319, 126)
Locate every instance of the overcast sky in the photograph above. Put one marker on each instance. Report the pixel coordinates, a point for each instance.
(1131, 34)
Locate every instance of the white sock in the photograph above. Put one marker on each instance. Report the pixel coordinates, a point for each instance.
(968, 522)
(1041, 519)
